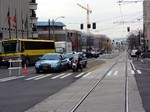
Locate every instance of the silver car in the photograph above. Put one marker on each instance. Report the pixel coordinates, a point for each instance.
(51, 61)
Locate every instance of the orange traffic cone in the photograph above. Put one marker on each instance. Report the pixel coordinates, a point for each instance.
(25, 71)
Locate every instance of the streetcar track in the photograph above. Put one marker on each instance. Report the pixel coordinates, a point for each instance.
(97, 83)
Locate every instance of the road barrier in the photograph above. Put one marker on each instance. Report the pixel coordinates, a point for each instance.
(13, 68)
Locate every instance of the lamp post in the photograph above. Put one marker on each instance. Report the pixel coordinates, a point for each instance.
(54, 20)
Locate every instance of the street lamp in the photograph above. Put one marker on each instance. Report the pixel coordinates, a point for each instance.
(54, 20)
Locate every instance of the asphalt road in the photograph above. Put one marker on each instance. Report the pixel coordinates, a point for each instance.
(142, 75)
(20, 92)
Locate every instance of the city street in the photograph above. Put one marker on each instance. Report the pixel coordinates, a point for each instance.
(20, 92)
(108, 84)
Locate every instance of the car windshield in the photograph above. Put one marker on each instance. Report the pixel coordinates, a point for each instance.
(68, 55)
(50, 57)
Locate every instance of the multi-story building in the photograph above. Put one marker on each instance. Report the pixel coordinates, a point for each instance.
(146, 23)
(18, 18)
(48, 30)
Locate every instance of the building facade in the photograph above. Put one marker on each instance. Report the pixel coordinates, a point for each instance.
(146, 24)
(18, 19)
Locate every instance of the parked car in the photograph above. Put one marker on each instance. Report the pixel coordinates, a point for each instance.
(133, 53)
(51, 61)
(145, 54)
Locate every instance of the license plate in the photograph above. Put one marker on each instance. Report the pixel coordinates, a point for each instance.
(45, 67)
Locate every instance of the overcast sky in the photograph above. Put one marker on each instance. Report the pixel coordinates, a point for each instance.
(106, 14)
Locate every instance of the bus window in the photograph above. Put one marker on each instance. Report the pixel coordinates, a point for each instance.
(1, 47)
(10, 47)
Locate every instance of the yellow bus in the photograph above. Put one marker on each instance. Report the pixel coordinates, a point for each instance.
(28, 50)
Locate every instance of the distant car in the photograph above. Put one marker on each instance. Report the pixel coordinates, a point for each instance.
(94, 54)
(133, 53)
(51, 61)
(145, 54)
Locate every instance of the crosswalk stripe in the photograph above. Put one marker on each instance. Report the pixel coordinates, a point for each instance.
(43, 77)
(58, 76)
(139, 72)
(10, 78)
(132, 72)
(65, 75)
(109, 73)
(87, 74)
(116, 72)
(33, 77)
(79, 75)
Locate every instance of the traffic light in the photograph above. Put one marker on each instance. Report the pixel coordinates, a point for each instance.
(94, 25)
(81, 26)
(128, 29)
(88, 25)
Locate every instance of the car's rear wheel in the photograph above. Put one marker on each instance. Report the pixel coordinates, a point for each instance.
(37, 71)
(143, 56)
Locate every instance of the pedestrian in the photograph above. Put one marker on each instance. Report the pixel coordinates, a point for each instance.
(138, 54)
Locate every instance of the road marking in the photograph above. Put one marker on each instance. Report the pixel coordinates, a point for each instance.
(133, 65)
(139, 72)
(80, 74)
(10, 78)
(58, 76)
(33, 77)
(132, 72)
(43, 77)
(116, 72)
(87, 74)
(109, 73)
(65, 76)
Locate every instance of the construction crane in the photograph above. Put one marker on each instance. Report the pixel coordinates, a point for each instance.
(125, 2)
(88, 13)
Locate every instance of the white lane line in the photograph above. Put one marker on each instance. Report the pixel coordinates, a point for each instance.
(116, 72)
(80, 74)
(132, 72)
(109, 73)
(33, 77)
(87, 74)
(43, 77)
(133, 65)
(65, 75)
(139, 72)
(10, 78)
(58, 76)
(6, 78)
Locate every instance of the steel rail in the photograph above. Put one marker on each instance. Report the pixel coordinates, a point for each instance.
(126, 88)
(95, 85)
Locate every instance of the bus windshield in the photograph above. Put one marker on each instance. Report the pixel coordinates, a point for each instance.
(10, 46)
